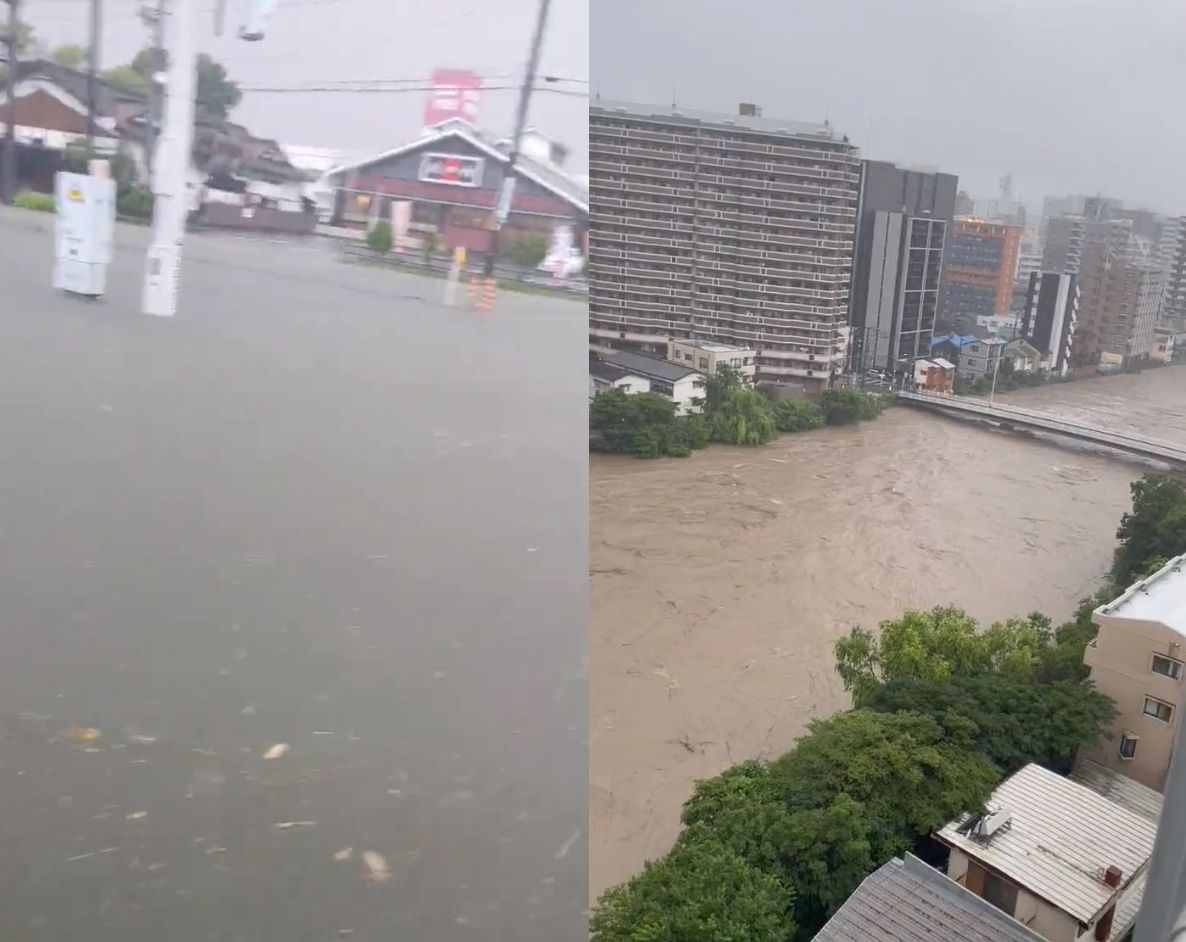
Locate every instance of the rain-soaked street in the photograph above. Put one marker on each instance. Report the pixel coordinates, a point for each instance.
(292, 605)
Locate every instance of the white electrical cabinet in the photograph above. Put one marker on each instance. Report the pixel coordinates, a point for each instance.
(84, 233)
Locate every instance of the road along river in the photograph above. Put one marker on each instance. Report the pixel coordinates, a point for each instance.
(720, 582)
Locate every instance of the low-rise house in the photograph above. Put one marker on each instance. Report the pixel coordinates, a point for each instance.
(605, 376)
(1136, 659)
(948, 346)
(907, 901)
(706, 356)
(681, 384)
(981, 358)
(934, 375)
(1163, 344)
(1054, 854)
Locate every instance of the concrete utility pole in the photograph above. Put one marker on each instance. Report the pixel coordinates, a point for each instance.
(92, 69)
(154, 16)
(507, 194)
(171, 205)
(8, 170)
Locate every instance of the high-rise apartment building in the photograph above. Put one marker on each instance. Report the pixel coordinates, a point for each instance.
(733, 229)
(1173, 257)
(981, 262)
(901, 232)
(1121, 283)
(1049, 317)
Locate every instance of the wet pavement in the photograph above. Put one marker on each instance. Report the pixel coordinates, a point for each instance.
(292, 605)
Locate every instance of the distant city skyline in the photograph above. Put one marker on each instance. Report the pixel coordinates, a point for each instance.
(977, 89)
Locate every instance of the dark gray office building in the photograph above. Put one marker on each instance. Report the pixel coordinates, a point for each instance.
(902, 226)
(1049, 317)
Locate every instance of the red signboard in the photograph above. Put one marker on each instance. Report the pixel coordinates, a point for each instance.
(455, 93)
(452, 169)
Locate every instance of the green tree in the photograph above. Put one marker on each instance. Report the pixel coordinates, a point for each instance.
(128, 79)
(71, 56)
(846, 406)
(700, 892)
(719, 386)
(1011, 721)
(379, 237)
(743, 417)
(641, 424)
(528, 251)
(149, 61)
(799, 415)
(1152, 532)
(941, 643)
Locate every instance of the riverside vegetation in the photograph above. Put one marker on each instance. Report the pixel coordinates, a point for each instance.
(645, 424)
(943, 710)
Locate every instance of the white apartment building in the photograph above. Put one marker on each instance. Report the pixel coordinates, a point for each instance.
(705, 356)
(731, 229)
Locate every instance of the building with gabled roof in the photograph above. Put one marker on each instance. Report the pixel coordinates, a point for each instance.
(1055, 854)
(906, 901)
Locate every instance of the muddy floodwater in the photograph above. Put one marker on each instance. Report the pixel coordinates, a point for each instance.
(720, 582)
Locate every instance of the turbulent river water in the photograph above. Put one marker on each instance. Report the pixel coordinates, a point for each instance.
(719, 583)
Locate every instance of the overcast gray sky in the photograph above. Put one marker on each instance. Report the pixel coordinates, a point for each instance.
(311, 41)
(1070, 96)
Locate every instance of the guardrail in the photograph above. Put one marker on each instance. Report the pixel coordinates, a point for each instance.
(1038, 421)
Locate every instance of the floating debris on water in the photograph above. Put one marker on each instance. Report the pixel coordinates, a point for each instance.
(344, 854)
(323, 732)
(83, 734)
(376, 864)
(139, 739)
(287, 825)
(80, 857)
(567, 845)
(277, 750)
(135, 815)
(248, 710)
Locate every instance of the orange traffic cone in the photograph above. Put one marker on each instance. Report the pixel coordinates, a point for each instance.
(489, 289)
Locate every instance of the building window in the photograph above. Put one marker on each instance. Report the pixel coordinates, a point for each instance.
(1167, 666)
(1001, 893)
(1128, 745)
(1158, 708)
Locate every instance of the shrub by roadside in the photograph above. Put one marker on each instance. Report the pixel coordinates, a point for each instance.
(38, 202)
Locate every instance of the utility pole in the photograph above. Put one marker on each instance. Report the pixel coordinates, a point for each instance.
(155, 17)
(171, 203)
(8, 170)
(91, 87)
(507, 194)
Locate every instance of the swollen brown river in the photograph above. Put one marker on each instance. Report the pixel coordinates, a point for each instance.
(720, 582)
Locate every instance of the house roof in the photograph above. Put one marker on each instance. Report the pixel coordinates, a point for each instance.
(550, 178)
(599, 369)
(1120, 788)
(650, 367)
(956, 339)
(907, 901)
(75, 82)
(1160, 598)
(944, 364)
(1062, 837)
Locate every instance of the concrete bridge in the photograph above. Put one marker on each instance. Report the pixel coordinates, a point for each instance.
(1012, 417)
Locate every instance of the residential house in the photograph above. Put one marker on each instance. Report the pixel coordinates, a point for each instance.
(934, 375)
(1137, 659)
(605, 376)
(681, 384)
(907, 901)
(706, 356)
(446, 185)
(1054, 854)
(981, 358)
(1022, 356)
(948, 346)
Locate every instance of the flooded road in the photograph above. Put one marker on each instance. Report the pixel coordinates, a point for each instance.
(720, 582)
(291, 606)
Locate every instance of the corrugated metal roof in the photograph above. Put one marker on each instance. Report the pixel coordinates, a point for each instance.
(1062, 837)
(1120, 788)
(907, 901)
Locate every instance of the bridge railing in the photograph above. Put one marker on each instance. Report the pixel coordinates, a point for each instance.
(1045, 420)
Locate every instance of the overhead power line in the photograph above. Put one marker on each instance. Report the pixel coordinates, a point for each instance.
(394, 89)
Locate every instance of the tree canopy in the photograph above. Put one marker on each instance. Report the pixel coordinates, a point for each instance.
(1153, 532)
(700, 892)
(72, 56)
(1010, 721)
(216, 94)
(944, 642)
